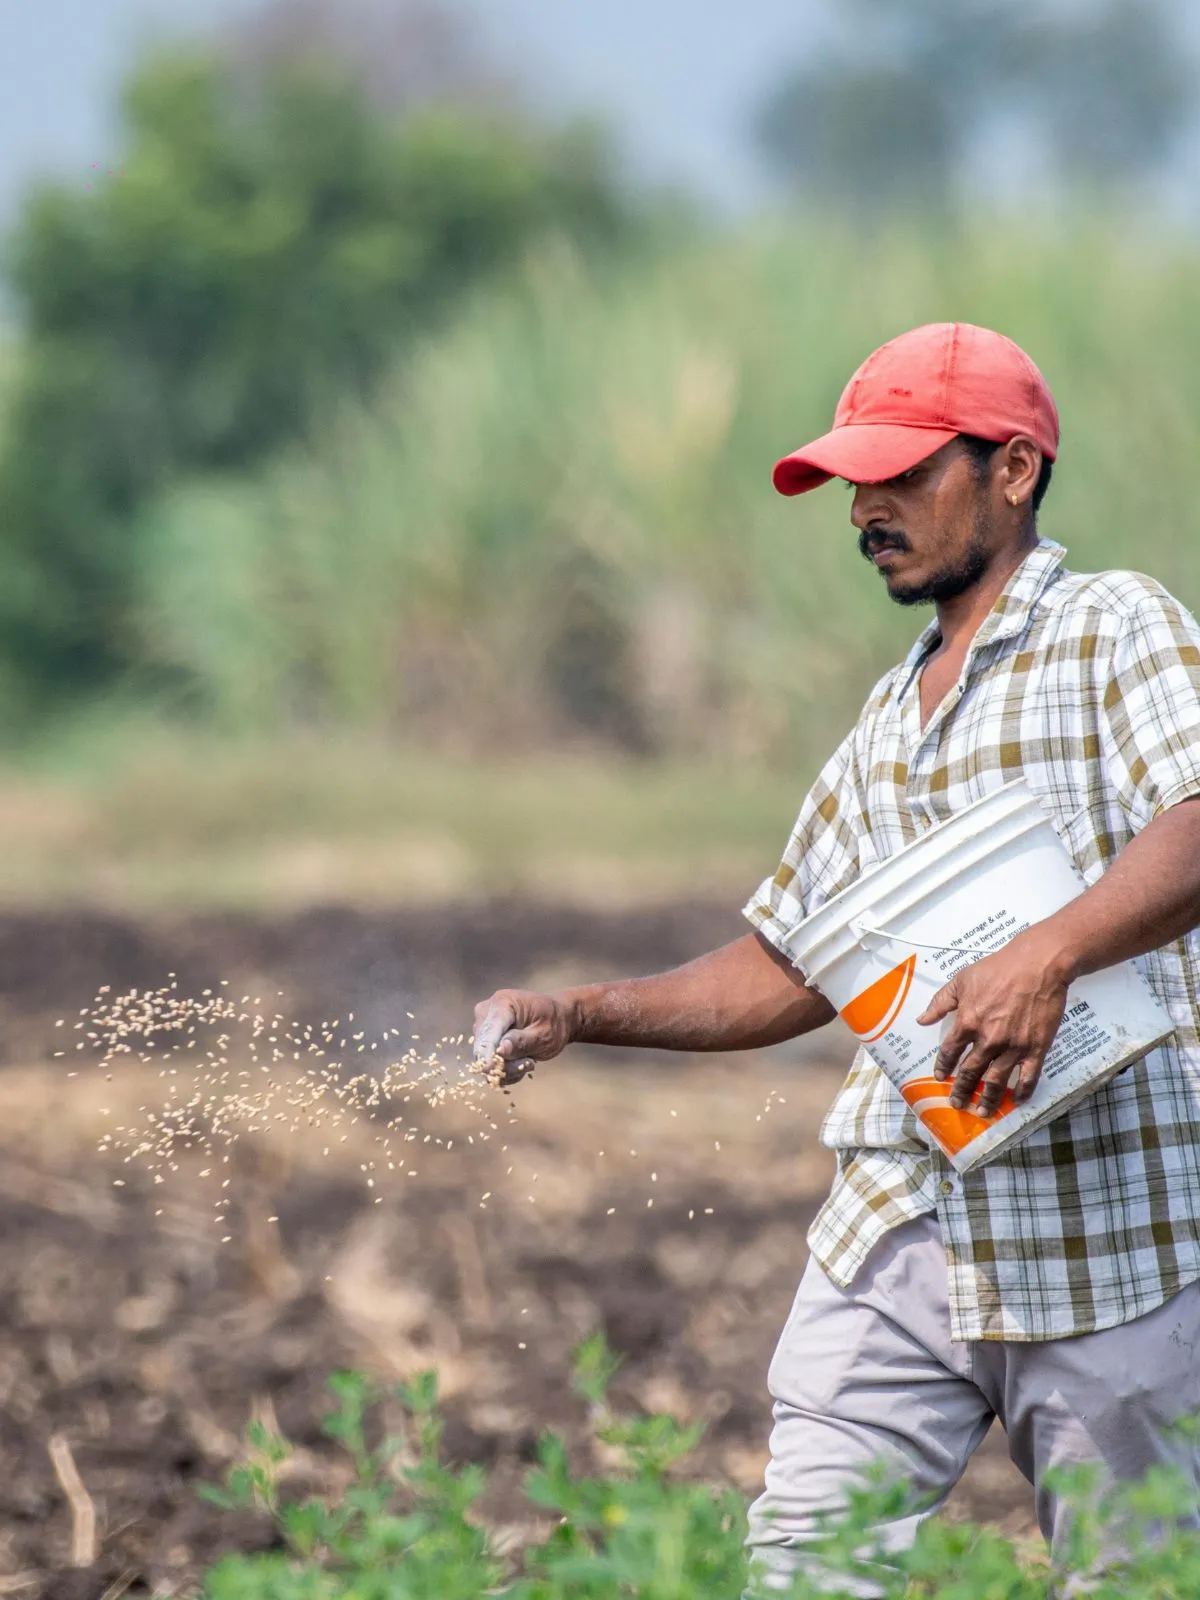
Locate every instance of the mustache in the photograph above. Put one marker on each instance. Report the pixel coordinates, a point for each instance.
(872, 540)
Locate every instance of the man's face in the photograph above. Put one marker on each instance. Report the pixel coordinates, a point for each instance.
(931, 531)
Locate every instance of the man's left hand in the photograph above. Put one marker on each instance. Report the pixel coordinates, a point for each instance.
(1007, 1008)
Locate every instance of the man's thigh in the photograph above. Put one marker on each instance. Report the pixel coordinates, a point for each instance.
(1106, 1400)
(864, 1377)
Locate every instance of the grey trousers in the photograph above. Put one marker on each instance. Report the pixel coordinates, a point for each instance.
(869, 1374)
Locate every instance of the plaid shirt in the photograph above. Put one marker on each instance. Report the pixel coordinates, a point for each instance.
(1088, 686)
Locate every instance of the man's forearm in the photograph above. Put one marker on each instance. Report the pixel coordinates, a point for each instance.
(1147, 898)
(741, 997)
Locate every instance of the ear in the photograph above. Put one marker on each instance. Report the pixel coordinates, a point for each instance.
(1018, 467)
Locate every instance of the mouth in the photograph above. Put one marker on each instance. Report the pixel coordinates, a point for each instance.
(883, 549)
(885, 553)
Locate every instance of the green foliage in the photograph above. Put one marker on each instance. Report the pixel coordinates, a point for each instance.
(391, 1535)
(406, 1526)
(403, 1526)
(268, 241)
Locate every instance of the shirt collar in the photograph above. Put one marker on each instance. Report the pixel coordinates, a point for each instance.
(1007, 618)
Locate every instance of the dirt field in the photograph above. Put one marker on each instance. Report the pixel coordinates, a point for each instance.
(140, 1345)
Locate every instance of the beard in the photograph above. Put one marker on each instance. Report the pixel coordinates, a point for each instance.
(948, 582)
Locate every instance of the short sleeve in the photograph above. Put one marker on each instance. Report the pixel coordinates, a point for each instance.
(1152, 708)
(822, 855)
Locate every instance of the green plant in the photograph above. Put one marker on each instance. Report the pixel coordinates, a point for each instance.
(405, 1528)
(373, 1543)
(636, 1531)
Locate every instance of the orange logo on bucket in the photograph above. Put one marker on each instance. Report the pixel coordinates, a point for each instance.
(871, 1013)
(951, 1129)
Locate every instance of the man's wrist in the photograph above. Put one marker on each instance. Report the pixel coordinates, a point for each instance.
(1052, 946)
(576, 1012)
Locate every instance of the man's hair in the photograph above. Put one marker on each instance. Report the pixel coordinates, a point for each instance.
(981, 452)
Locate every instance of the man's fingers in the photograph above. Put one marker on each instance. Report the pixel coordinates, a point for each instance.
(498, 1041)
(995, 1080)
(952, 1047)
(489, 1033)
(514, 1028)
(511, 1072)
(969, 1073)
(1031, 1071)
(519, 1043)
(982, 1076)
(942, 1004)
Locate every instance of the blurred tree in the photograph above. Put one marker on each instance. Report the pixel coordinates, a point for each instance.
(273, 237)
(894, 108)
(1114, 88)
(863, 136)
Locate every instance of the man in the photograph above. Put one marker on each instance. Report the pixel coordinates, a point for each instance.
(1057, 1287)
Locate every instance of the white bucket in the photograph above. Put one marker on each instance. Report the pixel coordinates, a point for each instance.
(881, 950)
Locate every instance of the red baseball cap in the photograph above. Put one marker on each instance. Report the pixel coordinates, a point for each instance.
(915, 394)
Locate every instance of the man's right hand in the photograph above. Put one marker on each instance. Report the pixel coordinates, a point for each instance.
(741, 997)
(521, 1027)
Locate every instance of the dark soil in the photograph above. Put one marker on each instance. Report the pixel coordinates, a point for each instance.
(146, 1344)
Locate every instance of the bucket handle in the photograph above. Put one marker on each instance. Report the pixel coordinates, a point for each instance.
(858, 927)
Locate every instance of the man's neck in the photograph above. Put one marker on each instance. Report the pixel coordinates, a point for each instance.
(959, 619)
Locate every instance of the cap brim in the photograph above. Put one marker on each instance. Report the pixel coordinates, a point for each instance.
(861, 452)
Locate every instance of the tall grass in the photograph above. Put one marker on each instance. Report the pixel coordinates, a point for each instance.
(557, 521)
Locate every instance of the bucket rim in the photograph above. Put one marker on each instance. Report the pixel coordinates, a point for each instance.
(891, 876)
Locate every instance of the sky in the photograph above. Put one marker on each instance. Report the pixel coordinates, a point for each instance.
(676, 78)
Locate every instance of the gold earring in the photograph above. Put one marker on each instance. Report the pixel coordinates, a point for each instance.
(1014, 499)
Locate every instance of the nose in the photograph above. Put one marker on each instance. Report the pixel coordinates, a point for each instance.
(870, 507)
